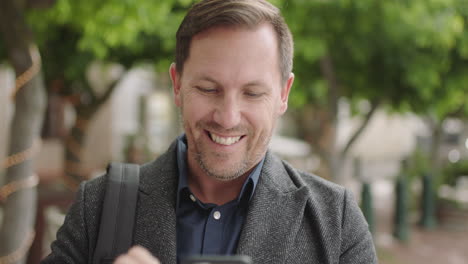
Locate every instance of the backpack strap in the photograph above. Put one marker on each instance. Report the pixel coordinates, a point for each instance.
(118, 212)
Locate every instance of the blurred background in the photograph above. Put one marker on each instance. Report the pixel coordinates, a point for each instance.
(379, 106)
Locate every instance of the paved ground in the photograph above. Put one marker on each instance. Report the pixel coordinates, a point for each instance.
(428, 247)
(437, 246)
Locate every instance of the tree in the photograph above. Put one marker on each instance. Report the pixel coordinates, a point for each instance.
(449, 95)
(16, 232)
(74, 34)
(106, 30)
(370, 49)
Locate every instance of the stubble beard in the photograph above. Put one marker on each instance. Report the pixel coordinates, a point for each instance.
(236, 170)
(249, 159)
(203, 155)
(225, 175)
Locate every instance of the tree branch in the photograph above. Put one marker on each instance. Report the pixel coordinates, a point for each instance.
(102, 99)
(459, 112)
(87, 87)
(358, 132)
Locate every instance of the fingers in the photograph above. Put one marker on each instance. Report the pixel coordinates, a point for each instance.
(137, 255)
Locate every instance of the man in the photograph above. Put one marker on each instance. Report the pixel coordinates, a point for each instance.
(218, 190)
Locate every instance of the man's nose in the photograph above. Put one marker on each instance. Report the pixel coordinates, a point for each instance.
(228, 113)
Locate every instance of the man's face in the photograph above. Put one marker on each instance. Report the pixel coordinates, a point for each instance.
(230, 94)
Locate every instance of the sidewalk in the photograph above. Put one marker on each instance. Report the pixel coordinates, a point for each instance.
(428, 247)
(436, 246)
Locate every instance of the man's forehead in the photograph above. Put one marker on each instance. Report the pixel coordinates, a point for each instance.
(225, 54)
(205, 78)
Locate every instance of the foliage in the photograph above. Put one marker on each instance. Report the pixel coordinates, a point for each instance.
(411, 55)
(418, 164)
(390, 50)
(449, 96)
(405, 55)
(453, 171)
(71, 34)
(396, 51)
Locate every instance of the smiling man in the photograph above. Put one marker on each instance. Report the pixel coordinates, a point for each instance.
(231, 93)
(218, 190)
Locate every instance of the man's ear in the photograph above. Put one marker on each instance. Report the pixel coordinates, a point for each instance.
(175, 78)
(285, 94)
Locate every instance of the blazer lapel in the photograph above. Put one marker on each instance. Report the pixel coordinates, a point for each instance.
(156, 217)
(274, 215)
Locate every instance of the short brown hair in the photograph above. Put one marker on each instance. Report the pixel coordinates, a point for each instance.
(247, 13)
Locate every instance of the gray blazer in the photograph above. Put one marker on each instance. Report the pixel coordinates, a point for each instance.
(293, 217)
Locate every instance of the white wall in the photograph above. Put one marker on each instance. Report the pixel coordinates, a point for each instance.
(124, 107)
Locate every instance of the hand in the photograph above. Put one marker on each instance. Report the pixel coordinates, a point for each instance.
(137, 255)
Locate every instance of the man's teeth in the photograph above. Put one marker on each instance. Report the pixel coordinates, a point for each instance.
(224, 140)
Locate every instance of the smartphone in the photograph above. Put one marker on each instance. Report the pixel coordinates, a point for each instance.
(235, 259)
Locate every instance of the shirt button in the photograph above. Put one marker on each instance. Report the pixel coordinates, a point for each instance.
(192, 198)
(217, 215)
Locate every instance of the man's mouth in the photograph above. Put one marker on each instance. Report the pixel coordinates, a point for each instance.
(224, 140)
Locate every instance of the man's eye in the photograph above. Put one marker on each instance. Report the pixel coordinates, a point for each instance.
(253, 95)
(205, 90)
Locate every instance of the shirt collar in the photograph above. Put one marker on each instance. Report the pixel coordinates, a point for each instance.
(247, 189)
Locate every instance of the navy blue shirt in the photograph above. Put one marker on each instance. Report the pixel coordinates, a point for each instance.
(204, 228)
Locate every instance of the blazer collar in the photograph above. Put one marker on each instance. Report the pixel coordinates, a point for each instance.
(156, 217)
(160, 173)
(274, 215)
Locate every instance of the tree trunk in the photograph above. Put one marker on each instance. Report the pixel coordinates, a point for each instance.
(436, 140)
(20, 207)
(333, 161)
(74, 141)
(314, 127)
(318, 125)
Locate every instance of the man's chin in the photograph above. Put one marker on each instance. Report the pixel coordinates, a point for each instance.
(225, 177)
(224, 173)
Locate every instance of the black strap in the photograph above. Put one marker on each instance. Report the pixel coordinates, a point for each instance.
(118, 213)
